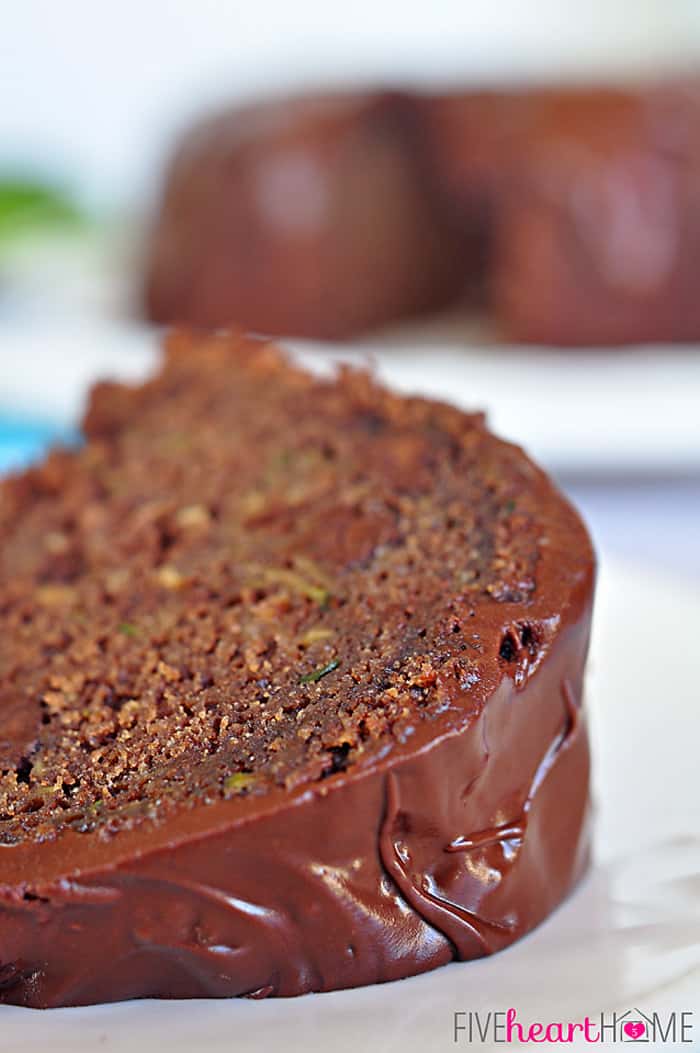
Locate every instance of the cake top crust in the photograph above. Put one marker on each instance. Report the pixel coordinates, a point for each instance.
(251, 580)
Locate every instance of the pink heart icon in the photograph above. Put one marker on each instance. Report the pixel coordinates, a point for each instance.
(634, 1028)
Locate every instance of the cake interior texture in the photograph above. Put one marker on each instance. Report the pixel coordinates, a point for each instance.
(221, 592)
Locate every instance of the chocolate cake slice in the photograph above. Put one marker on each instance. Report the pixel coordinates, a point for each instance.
(290, 685)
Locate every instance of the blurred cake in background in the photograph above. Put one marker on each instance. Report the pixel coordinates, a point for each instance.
(312, 216)
(471, 138)
(571, 214)
(597, 233)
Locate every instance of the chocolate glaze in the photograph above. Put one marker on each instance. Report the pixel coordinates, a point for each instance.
(451, 845)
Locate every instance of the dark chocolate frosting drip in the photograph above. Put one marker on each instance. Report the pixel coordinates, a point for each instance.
(490, 854)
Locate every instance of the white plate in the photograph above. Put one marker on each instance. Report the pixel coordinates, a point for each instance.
(628, 939)
(633, 411)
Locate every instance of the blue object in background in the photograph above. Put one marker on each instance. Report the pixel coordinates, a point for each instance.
(23, 440)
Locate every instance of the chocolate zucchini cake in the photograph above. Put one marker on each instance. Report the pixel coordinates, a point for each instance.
(290, 688)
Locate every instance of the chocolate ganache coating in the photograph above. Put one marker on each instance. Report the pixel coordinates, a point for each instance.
(412, 786)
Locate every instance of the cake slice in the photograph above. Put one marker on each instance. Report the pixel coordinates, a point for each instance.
(290, 684)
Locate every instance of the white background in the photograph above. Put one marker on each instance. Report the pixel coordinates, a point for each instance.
(97, 88)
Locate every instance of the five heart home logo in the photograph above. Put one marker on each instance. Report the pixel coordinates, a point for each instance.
(508, 1027)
